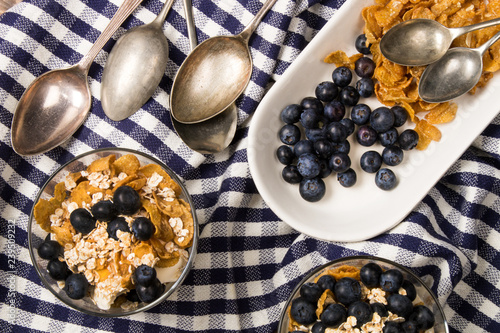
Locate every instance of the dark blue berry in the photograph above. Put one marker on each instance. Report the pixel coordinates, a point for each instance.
(104, 210)
(409, 326)
(360, 114)
(423, 317)
(144, 275)
(311, 292)
(370, 161)
(388, 138)
(366, 136)
(126, 200)
(340, 162)
(325, 170)
(326, 91)
(326, 282)
(58, 270)
(400, 115)
(400, 305)
(118, 223)
(365, 87)
(411, 292)
(291, 174)
(312, 103)
(349, 96)
(342, 76)
(285, 155)
(76, 286)
(347, 178)
(348, 124)
(370, 275)
(380, 309)
(303, 147)
(392, 327)
(310, 118)
(385, 179)
(334, 111)
(342, 147)
(362, 311)
(312, 190)
(319, 327)
(336, 132)
(361, 44)
(132, 296)
(334, 315)
(323, 148)
(392, 155)
(49, 249)
(347, 290)
(291, 113)
(382, 119)
(150, 293)
(364, 67)
(391, 280)
(289, 134)
(142, 228)
(315, 134)
(408, 139)
(308, 165)
(82, 220)
(302, 311)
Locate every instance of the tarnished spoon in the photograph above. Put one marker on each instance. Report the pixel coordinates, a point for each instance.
(56, 104)
(422, 41)
(135, 67)
(215, 134)
(457, 72)
(213, 76)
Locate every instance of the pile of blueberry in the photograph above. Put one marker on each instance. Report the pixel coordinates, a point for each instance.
(126, 201)
(347, 293)
(324, 148)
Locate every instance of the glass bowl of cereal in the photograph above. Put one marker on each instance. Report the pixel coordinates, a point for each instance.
(362, 294)
(113, 232)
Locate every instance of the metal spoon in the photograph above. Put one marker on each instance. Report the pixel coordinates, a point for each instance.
(422, 41)
(56, 104)
(214, 75)
(457, 72)
(215, 134)
(135, 67)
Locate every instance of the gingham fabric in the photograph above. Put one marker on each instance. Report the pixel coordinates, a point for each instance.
(249, 260)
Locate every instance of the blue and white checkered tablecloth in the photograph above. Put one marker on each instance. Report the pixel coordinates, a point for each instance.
(248, 259)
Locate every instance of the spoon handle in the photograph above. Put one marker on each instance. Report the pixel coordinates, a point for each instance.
(127, 7)
(481, 25)
(250, 28)
(191, 28)
(158, 21)
(483, 48)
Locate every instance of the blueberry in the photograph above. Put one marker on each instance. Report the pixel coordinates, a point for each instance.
(291, 174)
(132, 296)
(285, 154)
(311, 292)
(326, 91)
(312, 103)
(291, 113)
(334, 315)
(365, 87)
(76, 286)
(315, 134)
(348, 124)
(310, 118)
(289, 134)
(392, 327)
(364, 67)
(334, 111)
(340, 162)
(347, 178)
(392, 155)
(342, 76)
(319, 327)
(409, 326)
(104, 210)
(82, 220)
(323, 148)
(408, 139)
(391, 280)
(142, 228)
(362, 311)
(342, 147)
(400, 305)
(144, 275)
(302, 311)
(370, 161)
(49, 249)
(58, 270)
(411, 292)
(312, 190)
(326, 282)
(126, 200)
(349, 96)
(336, 132)
(361, 44)
(380, 309)
(325, 170)
(400, 115)
(360, 114)
(117, 224)
(347, 290)
(423, 317)
(308, 165)
(382, 119)
(303, 147)
(370, 275)
(385, 179)
(389, 137)
(366, 136)
(150, 293)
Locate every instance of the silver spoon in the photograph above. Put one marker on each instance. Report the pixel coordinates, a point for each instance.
(212, 135)
(457, 72)
(56, 104)
(213, 76)
(422, 41)
(135, 67)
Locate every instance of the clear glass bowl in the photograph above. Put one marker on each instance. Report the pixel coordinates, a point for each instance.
(426, 295)
(36, 235)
